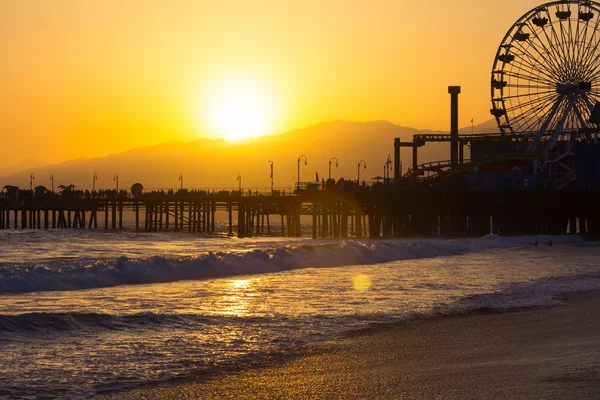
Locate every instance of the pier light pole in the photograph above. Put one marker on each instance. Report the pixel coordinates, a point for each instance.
(271, 162)
(181, 180)
(239, 179)
(31, 179)
(305, 163)
(52, 180)
(336, 165)
(94, 182)
(116, 179)
(389, 167)
(359, 164)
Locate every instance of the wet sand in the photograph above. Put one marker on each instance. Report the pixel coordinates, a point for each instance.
(535, 354)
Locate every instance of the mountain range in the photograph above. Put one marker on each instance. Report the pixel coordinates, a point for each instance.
(216, 163)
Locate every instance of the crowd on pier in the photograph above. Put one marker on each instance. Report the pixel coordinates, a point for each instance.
(14, 194)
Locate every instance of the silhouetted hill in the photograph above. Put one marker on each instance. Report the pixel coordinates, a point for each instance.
(215, 164)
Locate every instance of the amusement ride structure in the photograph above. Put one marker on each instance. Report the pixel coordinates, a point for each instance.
(545, 83)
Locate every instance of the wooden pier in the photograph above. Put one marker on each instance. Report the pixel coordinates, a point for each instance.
(378, 211)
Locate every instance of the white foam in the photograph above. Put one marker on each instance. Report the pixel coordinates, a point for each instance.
(80, 274)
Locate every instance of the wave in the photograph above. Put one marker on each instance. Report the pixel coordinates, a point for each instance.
(79, 274)
(538, 293)
(48, 322)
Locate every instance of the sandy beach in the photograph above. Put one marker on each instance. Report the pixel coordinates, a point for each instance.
(533, 354)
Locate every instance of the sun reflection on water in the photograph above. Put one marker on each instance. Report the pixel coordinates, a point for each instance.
(237, 297)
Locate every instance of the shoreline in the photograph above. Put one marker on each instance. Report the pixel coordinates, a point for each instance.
(535, 353)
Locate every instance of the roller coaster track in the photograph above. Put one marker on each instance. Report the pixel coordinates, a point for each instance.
(445, 137)
(442, 167)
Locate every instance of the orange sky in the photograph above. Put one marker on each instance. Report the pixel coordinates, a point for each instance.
(90, 78)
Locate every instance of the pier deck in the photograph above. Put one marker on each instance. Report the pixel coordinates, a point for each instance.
(378, 211)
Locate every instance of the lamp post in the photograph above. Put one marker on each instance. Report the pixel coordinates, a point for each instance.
(52, 180)
(181, 180)
(95, 178)
(336, 165)
(271, 162)
(305, 163)
(116, 179)
(239, 179)
(388, 165)
(31, 179)
(359, 163)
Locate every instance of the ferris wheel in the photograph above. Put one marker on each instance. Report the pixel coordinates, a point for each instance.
(546, 75)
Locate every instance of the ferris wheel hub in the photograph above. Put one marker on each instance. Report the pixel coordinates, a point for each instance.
(579, 87)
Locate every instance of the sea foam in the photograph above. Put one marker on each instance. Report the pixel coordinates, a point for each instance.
(80, 274)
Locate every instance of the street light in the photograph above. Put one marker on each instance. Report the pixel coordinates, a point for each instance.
(94, 182)
(239, 179)
(31, 179)
(116, 179)
(385, 172)
(181, 180)
(336, 165)
(359, 163)
(305, 163)
(52, 180)
(271, 175)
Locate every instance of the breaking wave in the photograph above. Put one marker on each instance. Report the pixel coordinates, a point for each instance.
(80, 274)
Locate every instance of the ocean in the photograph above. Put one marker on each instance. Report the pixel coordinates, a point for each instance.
(88, 312)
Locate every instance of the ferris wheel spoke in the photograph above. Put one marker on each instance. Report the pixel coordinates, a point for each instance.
(560, 50)
(533, 123)
(582, 67)
(517, 102)
(594, 38)
(530, 103)
(529, 63)
(530, 70)
(553, 51)
(567, 39)
(526, 120)
(527, 94)
(594, 75)
(551, 55)
(591, 56)
(527, 78)
(578, 32)
(534, 62)
(549, 60)
(566, 43)
(590, 62)
(582, 40)
(545, 87)
(526, 109)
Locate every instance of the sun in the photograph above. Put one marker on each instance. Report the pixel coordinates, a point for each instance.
(239, 110)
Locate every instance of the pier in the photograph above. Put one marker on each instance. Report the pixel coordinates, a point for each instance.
(406, 209)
